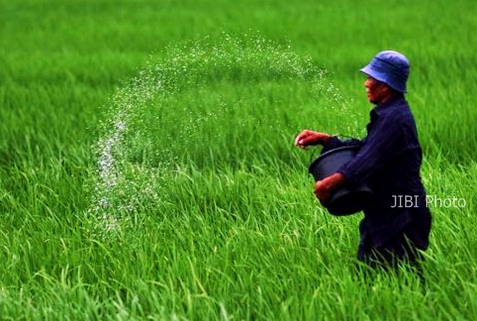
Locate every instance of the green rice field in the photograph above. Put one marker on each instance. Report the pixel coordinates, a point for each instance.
(147, 166)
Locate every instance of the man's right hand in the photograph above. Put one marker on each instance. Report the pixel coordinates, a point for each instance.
(310, 137)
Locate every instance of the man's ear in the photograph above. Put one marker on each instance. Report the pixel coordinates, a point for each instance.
(387, 89)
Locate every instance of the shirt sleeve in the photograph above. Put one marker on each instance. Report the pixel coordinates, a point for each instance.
(381, 145)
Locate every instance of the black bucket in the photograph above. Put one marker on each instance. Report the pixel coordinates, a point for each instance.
(343, 201)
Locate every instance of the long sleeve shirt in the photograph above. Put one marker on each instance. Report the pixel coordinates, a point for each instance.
(389, 160)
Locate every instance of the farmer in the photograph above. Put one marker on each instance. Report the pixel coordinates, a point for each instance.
(396, 223)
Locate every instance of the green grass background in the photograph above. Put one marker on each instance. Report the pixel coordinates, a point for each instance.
(213, 216)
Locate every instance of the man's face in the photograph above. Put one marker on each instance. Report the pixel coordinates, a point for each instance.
(377, 91)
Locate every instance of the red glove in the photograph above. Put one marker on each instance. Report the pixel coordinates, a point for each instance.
(324, 187)
(309, 137)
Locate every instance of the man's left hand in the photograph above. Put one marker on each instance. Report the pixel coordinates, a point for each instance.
(324, 187)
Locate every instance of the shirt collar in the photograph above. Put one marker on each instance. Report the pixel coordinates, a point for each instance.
(382, 108)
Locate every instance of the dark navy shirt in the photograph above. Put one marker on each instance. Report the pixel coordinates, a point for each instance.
(389, 160)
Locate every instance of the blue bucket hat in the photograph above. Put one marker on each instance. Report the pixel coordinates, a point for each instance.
(389, 67)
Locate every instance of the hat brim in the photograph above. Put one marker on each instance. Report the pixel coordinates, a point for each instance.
(380, 76)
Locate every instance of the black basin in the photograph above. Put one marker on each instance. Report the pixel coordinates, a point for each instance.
(346, 200)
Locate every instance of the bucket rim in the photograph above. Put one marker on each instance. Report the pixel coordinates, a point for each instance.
(332, 151)
(338, 149)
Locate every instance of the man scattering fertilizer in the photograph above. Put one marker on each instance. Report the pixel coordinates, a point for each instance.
(396, 221)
